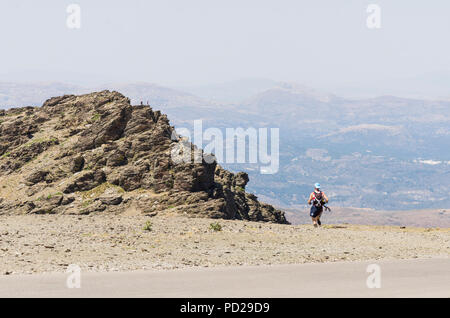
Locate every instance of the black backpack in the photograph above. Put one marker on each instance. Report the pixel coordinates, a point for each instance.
(318, 199)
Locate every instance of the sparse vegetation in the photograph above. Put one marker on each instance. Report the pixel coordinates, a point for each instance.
(216, 227)
(52, 140)
(99, 190)
(54, 195)
(148, 226)
(169, 183)
(96, 117)
(86, 203)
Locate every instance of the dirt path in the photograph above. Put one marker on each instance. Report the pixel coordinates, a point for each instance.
(49, 243)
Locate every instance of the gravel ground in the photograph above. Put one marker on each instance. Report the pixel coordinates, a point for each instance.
(49, 243)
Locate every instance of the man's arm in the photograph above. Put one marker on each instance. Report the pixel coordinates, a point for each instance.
(326, 198)
(310, 198)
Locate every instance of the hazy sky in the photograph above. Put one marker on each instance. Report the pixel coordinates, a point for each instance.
(321, 43)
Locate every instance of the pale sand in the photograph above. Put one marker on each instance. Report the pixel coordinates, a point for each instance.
(49, 243)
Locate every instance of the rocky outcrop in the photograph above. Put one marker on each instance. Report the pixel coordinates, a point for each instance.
(96, 153)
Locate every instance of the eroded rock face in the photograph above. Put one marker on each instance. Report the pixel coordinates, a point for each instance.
(96, 153)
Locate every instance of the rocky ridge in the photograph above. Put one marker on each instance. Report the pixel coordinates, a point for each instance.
(96, 153)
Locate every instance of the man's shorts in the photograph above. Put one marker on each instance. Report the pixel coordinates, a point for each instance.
(315, 211)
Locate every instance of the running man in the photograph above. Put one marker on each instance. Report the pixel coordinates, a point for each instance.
(317, 199)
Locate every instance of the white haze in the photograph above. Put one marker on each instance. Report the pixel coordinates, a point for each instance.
(323, 44)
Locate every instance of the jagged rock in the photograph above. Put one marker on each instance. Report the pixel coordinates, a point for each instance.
(24, 153)
(97, 153)
(77, 164)
(85, 180)
(242, 180)
(36, 177)
(67, 199)
(117, 158)
(97, 206)
(111, 200)
(46, 205)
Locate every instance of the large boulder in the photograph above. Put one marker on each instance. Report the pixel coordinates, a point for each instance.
(96, 153)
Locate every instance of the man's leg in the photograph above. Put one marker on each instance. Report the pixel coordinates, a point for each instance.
(313, 215)
(318, 219)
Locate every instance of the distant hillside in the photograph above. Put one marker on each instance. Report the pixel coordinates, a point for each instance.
(233, 92)
(35, 94)
(383, 153)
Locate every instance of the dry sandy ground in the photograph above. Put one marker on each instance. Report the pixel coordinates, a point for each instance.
(49, 243)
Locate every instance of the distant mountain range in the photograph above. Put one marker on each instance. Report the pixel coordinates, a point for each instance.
(385, 153)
